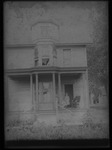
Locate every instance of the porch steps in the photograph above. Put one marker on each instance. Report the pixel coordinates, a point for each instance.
(47, 118)
(53, 118)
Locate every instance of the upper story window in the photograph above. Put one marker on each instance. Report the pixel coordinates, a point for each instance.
(45, 55)
(67, 56)
(45, 61)
(36, 57)
(45, 31)
(36, 62)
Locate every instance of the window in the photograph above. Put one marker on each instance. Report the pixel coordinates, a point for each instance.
(45, 61)
(36, 62)
(96, 100)
(36, 57)
(45, 31)
(55, 53)
(66, 56)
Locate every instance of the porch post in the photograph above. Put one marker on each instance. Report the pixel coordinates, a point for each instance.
(59, 87)
(87, 88)
(54, 94)
(37, 100)
(6, 94)
(31, 90)
(84, 91)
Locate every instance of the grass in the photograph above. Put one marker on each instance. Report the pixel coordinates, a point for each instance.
(27, 130)
(41, 131)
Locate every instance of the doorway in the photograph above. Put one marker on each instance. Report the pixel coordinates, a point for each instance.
(68, 88)
(45, 96)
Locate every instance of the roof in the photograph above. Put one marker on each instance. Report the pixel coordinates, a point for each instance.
(46, 70)
(33, 45)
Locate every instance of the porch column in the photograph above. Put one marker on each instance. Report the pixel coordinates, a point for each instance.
(59, 87)
(6, 94)
(86, 102)
(84, 91)
(31, 90)
(87, 88)
(54, 92)
(37, 98)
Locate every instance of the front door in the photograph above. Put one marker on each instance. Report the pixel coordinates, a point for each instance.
(45, 96)
(69, 92)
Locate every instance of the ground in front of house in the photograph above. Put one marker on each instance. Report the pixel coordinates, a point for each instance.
(57, 132)
(95, 126)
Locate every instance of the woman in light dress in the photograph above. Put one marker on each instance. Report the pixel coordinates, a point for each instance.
(66, 100)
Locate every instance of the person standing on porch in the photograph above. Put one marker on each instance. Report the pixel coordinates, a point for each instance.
(67, 99)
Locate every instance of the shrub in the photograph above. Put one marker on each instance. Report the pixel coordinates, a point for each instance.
(27, 130)
(15, 123)
(88, 120)
(12, 123)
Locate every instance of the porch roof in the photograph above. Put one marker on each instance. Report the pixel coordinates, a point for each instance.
(8, 46)
(47, 70)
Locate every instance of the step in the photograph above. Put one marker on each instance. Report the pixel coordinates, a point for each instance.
(47, 119)
(46, 112)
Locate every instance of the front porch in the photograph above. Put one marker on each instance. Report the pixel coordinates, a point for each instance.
(42, 94)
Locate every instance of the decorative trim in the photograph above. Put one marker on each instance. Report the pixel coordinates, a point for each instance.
(19, 46)
(45, 21)
(71, 44)
(33, 45)
(46, 69)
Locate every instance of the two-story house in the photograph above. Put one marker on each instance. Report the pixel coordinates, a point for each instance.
(47, 80)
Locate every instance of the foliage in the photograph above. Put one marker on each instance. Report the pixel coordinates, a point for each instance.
(97, 67)
(16, 123)
(97, 52)
(99, 129)
(43, 131)
(88, 120)
(12, 123)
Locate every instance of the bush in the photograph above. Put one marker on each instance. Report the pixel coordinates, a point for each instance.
(15, 123)
(27, 130)
(88, 120)
(97, 130)
(12, 123)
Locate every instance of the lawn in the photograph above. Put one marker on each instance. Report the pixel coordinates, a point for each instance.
(17, 130)
(41, 131)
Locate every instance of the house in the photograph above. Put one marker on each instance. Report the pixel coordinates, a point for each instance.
(47, 80)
